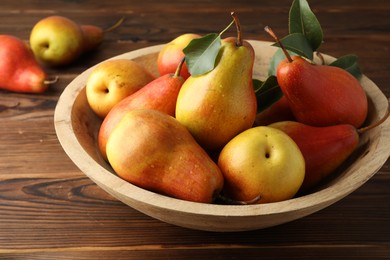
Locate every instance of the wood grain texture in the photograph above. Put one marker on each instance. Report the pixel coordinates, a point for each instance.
(50, 210)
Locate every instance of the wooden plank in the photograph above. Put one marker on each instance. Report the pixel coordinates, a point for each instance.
(50, 210)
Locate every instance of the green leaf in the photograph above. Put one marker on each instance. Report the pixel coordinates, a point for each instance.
(298, 44)
(349, 63)
(201, 53)
(276, 59)
(267, 92)
(303, 20)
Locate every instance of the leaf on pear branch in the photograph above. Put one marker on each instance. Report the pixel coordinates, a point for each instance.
(349, 63)
(303, 20)
(298, 44)
(201, 53)
(267, 92)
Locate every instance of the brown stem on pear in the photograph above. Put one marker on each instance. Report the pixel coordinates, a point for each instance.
(270, 32)
(239, 202)
(375, 124)
(51, 81)
(116, 25)
(178, 69)
(238, 26)
(319, 55)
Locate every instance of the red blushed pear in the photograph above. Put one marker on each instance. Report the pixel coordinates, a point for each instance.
(19, 71)
(160, 94)
(94, 35)
(278, 111)
(172, 53)
(323, 148)
(321, 95)
(152, 150)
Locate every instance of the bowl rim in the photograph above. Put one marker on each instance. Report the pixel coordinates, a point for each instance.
(120, 187)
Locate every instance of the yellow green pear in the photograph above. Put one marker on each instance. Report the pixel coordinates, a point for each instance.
(57, 40)
(261, 165)
(218, 105)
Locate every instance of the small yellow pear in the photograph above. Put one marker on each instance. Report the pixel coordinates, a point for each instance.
(113, 80)
(261, 165)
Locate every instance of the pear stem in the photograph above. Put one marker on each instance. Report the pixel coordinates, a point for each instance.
(383, 119)
(270, 32)
(319, 55)
(178, 69)
(238, 26)
(50, 81)
(114, 26)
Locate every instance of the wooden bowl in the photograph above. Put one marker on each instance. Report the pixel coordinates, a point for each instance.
(77, 127)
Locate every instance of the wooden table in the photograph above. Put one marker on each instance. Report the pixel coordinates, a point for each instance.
(50, 210)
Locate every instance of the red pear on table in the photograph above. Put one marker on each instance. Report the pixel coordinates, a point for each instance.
(19, 71)
(321, 95)
(171, 55)
(323, 148)
(160, 94)
(94, 35)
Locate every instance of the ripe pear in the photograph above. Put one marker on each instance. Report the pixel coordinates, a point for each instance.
(152, 150)
(93, 36)
(171, 55)
(320, 95)
(261, 165)
(218, 105)
(19, 71)
(113, 80)
(159, 94)
(324, 148)
(278, 111)
(58, 40)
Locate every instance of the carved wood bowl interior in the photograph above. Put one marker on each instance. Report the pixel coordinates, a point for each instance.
(77, 127)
